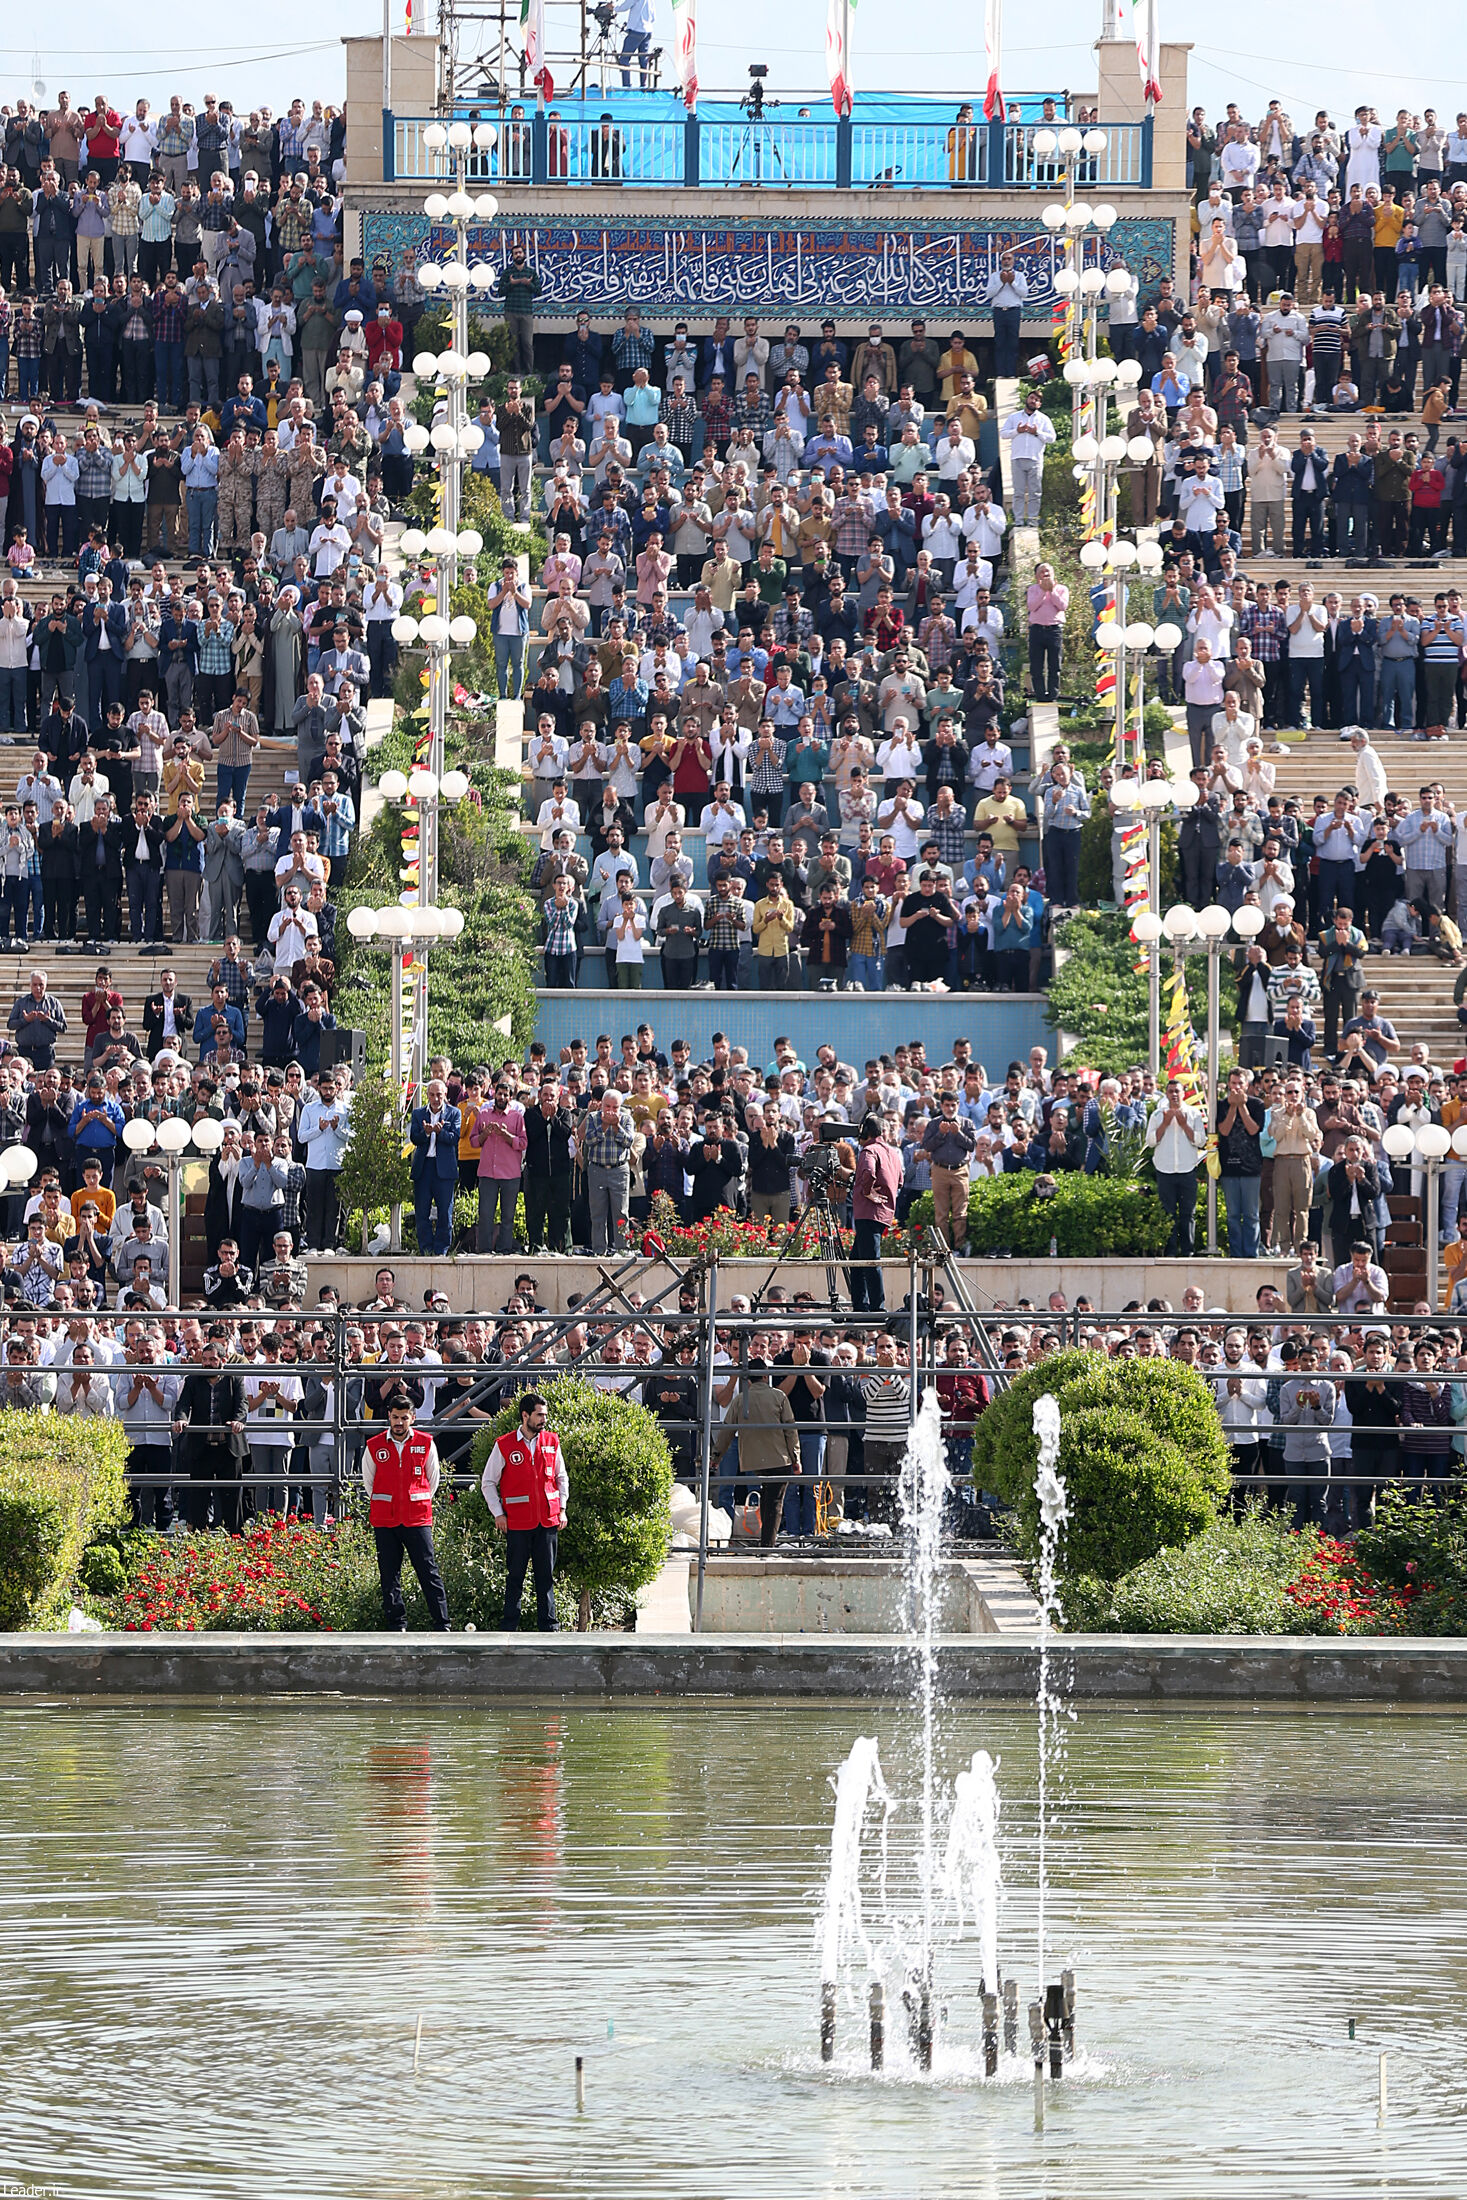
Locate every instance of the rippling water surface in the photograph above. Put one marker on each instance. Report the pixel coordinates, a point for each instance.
(220, 1925)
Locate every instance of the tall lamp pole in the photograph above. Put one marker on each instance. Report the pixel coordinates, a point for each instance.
(454, 438)
(407, 930)
(1428, 1147)
(173, 1138)
(1151, 797)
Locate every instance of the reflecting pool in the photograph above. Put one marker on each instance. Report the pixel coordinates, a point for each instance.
(221, 1924)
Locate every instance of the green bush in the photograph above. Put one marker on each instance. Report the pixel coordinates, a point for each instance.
(620, 1470)
(1096, 991)
(1419, 1546)
(1230, 1580)
(1093, 1217)
(62, 1482)
(1142, 1455)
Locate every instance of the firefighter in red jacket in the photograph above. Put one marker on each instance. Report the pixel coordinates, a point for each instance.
(400, 1470)
(527, 1489)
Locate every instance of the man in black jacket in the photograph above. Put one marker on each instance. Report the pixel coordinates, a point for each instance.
(771, 1154)
(671, 1392)
(209, 1424)
(156, 1012)
(946, 761)
(550, 1137)
(224, 1199)
(143, 845)
(100, 860)
(1199, 845)
(59, 848)
(715, 1167)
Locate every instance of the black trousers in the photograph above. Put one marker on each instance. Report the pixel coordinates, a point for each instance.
(323, 1210)
(216, 1484)
(102, 894)
(415, 1544)
(547, 1212)
(1178, 1195)
(152, 1502)
(531, 1547)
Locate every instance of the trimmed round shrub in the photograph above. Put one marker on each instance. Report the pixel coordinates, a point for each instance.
(1142, 1455)
(619, 1519)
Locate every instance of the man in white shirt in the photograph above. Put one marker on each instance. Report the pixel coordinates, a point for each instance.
(722, 819)
(901, 816)
(1177, 1135)
(1028, 432)
(1282, 339)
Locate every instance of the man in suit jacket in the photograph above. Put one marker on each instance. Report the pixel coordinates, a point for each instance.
(104, 618)
(224, 871)
(143, 850)
(99, 861)
(295, 816)
(1309, 477)
(223, 1201)
(434, 1130)
(156, 1018)
(209, 1424)
(58, 845)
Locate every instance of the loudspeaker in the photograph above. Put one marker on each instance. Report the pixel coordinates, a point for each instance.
(345, 1046)
(1275, 1054)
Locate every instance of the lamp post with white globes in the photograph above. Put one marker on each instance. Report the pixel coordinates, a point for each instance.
(454, 437)
(439, 634)
(408, 930)
(1151, 797)
(1428, 1147)
(1081, 287)
(18, 1164)
(1122, 636)
(1206, 930)
(173, 1139)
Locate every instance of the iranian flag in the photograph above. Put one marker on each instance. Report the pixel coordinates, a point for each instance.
(1148, 49)
(837, 52)
(685, 49)
(532, 31)
(993, 41)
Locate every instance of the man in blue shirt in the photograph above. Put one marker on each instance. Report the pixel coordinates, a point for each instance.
(218, 1020)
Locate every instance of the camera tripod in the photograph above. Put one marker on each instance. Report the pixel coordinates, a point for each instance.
(751, 139)
(828, 1248)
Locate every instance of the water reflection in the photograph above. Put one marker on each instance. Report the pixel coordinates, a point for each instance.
(220, 1924)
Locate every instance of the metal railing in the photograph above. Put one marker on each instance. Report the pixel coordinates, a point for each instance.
(471, 1389)
(730, 151)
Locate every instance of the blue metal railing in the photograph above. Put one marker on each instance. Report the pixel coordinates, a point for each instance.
(730, 151)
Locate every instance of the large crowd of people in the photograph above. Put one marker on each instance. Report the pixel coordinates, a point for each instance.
(770, 661)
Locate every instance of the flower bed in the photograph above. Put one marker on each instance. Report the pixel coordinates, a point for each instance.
(730, 1238)
(279, 1575)
(1340, 1596)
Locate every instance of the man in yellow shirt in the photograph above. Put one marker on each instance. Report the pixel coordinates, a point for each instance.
(773, 922)
(955, 362)
(95, 1191)
(1002, 816)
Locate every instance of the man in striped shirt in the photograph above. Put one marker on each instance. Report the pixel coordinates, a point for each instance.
(888, 1395)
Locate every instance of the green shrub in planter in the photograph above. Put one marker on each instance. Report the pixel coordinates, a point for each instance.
(1142, 1455)
(1230, 1580)
(62, 1482)
(1089, 1217)
(620, 1470)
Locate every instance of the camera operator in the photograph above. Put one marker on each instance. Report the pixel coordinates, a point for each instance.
(878, 1179)
(639, 21)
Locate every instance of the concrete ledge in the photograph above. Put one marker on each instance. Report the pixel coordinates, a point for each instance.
(1175, 1670)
